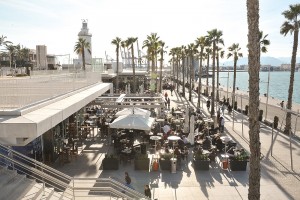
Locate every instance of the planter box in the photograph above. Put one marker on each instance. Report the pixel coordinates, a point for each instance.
(110, 164)
(238, 165)
(201, 164)
(164, 164)
(142, 164)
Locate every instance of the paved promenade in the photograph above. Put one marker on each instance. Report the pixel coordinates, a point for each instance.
(278, 181)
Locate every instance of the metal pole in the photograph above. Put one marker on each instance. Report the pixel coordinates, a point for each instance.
(267, 94)
(272, 142)
(73, 188)
(242, 115)
(227, 81)
(291, 152)
(296, 122)
(233, 112)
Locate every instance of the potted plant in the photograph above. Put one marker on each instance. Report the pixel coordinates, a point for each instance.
(235, 105)
(239, 161)
(110, 162)
(229, 109)
(141, 162)
(201, 161)
(275, 123)
(246, 110)
(164, 161)
(260, 117)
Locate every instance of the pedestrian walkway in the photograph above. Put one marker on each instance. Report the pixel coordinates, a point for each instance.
(276, 164)
(277, 180)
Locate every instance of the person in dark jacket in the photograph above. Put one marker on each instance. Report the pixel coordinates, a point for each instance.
(147, 191)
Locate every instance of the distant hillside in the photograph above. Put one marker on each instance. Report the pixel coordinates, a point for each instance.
(263, 60)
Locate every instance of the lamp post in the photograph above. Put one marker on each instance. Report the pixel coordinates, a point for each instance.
(267, 93)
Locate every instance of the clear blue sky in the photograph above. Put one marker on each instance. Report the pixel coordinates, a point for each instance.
(56, 23)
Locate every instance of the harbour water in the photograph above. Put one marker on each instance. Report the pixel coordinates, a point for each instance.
(278, 85)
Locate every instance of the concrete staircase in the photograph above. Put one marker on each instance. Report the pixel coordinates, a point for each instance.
(14, 186)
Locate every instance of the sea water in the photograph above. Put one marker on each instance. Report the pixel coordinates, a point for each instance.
(278, 85)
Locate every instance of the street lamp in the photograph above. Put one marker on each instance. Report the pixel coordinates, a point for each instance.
(267, 94)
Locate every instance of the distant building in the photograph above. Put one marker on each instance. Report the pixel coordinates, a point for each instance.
(84, 33)
(41, 57)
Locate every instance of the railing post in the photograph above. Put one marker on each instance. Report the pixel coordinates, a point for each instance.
(73, 188)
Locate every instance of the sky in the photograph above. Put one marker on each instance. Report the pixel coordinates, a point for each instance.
(56, 23)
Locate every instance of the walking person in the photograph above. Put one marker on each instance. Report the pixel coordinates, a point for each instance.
(282, 104)
(208, 104)
(222, 123)
(128, 180)
(168, 102)
(172, 88)
(147, 191)
(223, 108)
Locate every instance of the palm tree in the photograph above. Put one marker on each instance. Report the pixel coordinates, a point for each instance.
(220, 54)
(11, 51)
(117, 43)
(130, 42)
(80, 47)
(264, 42)
(173, 60)
(183, 56)
(214, 36)
(234, 52)
(192, 49)
(161, 50)
(292, 26)
(200, 42)
(3, 41)
(254, 62)
(208, 51)
(178, 58)
(152, 44)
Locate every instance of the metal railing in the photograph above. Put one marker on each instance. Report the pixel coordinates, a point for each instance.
(69, 186)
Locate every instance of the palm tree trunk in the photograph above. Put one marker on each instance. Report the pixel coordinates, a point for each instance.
(83, 58)
(183, 80)
(212, 111)
(200, 78)
(234, 81)
(117, 84)
(254, 62)
(288, 122)
(191, 84)
(218, 71)
(177, 71)
(207, 75)
(160, 75)
(133, 68)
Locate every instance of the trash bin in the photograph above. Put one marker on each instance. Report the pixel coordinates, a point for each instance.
(173, 165)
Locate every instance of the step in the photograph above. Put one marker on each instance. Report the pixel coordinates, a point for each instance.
(22, 189)
(6, 176)
(14, 187)
(34, 191)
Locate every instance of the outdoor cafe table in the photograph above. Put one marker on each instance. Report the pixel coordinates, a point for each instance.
(174, 138)
(155, 138)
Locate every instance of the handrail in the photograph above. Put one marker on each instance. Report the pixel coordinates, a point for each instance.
(37, 174)
(52, 177)
(36, 163)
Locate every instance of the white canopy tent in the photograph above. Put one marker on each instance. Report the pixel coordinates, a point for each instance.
(192, 127)
(133, 121)
(134, 110)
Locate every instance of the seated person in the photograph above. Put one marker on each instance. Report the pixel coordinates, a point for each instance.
(230, 152)
(185, 140)
(212, 155)
(177, 153)
(219, 144)
(185, 153)
(206, 143)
